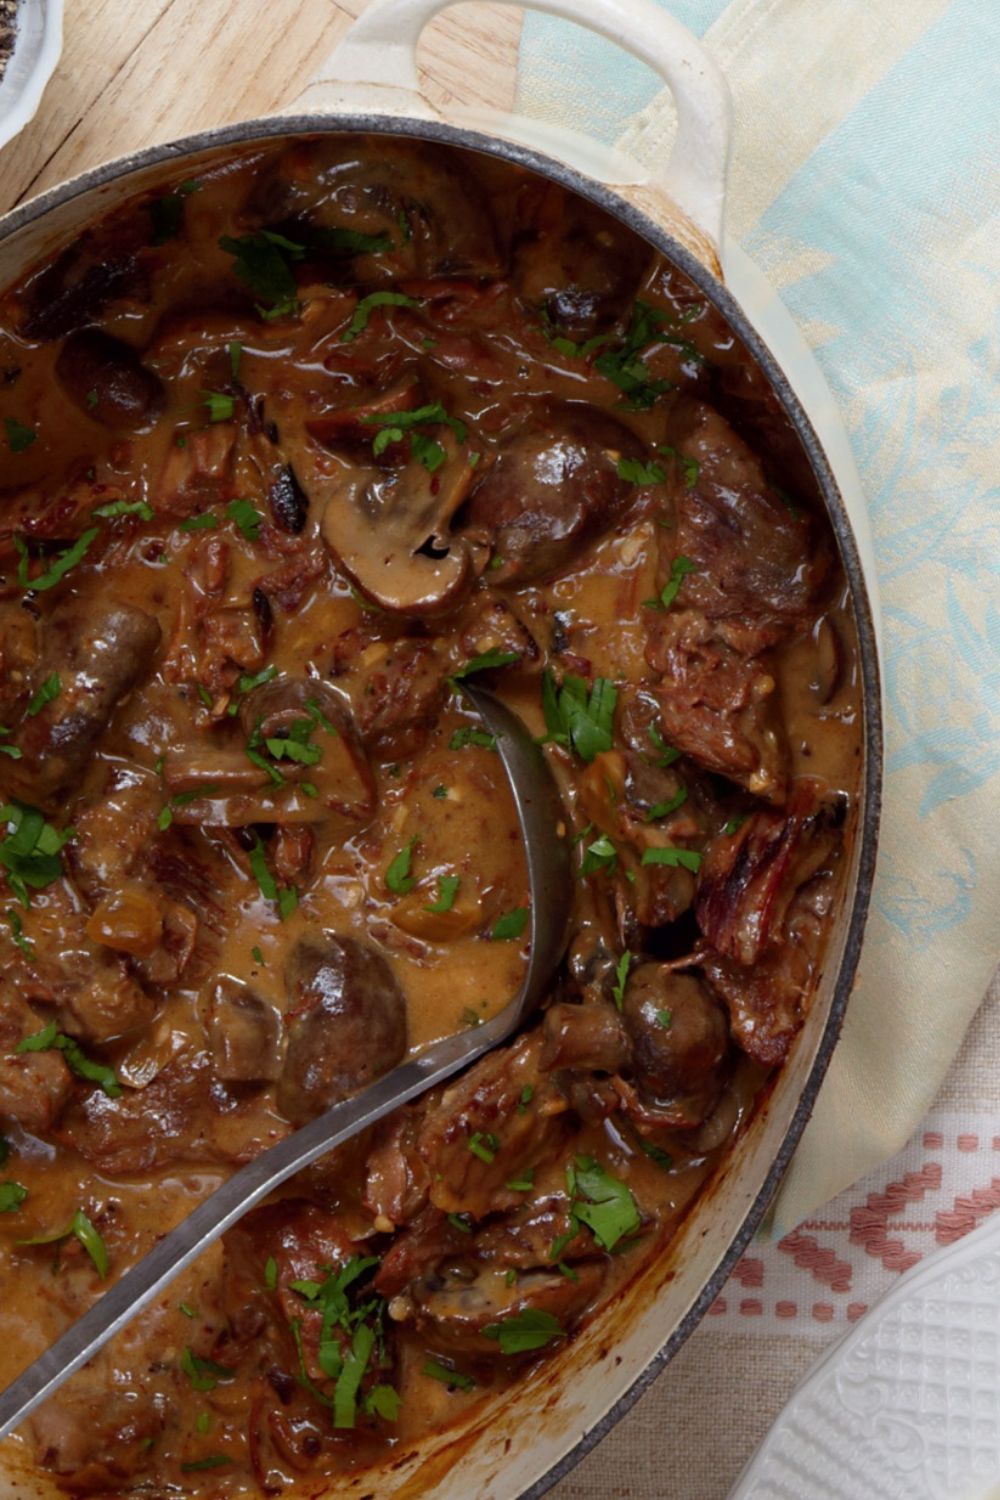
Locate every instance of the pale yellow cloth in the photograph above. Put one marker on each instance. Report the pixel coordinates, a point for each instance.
(865, 186)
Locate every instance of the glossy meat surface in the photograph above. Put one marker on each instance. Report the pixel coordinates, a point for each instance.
(286, 451)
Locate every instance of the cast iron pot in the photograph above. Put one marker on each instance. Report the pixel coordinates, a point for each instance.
(553, 1417)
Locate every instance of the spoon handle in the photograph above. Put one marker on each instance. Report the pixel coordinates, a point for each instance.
(149, 1276)
(541, 818)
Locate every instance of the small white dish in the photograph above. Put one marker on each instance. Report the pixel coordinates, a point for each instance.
(37, 48)
(907, 1405)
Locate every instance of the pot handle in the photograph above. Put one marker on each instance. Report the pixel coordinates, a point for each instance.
(380, 51)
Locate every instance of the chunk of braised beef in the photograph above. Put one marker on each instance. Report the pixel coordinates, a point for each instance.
(453, 1308)
(754, 553)
(99, 1437)
(35, 1087)
(100, 650)
(99, 268)
(105, 378)
(396, 689)
(573, 261)
(679, 1042)
(305, 1243)
(346, 1025)
(749, 876)
(587, 1038)
(552, 487)
(396, 1177)
(244, 1032)
(421, 207)
(179, 1116)
(641, 807)
(768, 1001)
(718, 698)
(507, 1107)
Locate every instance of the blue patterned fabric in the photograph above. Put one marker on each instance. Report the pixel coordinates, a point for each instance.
(865, 180)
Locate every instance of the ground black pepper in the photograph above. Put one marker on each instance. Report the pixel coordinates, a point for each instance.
(8, 31)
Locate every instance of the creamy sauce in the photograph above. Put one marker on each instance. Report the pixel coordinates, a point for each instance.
(177, 942)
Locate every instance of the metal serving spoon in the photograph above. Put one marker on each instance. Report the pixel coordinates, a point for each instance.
(542, 819)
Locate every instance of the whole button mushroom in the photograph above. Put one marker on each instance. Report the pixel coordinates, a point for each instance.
(679, 1038)
(553, 487)
(105, 378)
(346, 1024)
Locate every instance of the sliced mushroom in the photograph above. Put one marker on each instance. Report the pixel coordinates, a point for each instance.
(224, 785)
(388, 528)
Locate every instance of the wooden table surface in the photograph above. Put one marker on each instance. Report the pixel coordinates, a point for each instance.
(135, 72)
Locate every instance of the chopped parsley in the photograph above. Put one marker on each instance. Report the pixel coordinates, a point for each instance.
(603, 1202)
(285, 897)
(351, 241)
(679, 570)
(271, 1273)
(486, 662)
(30, 852)
(235, 352)
(664, 809)
(50, 1038)
(166, 813)
(19, 437)
(621, 978)
(459, 1222)
(447, 891)
(383, 1401)
(166, 213)
(662, 1158)
(81, 1229)
(600, 857)
(636, 472)
(12, 1195)
(263, 262)
(394, 425)
(667, 752)
(219, 405)
(59, 568)
(665, 1018)
(735, 824)
(125, 508)
(13, 751)
(484, 1146)
(574, 717)
(686, 859)
(527, 1094)
(463, 738)
(447, 1376)
(511, 925)
(204, 1374)
(623, 366)
(440, 792)
(204, 522)
(689, 466)
(17, 936)
(246, 517)
(256, 955)
(522, 1332)
(211, 1461)
(397, 877)
(364, 309)
(522, 1183)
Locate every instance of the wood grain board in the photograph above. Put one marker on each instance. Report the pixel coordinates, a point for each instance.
(136, 72)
